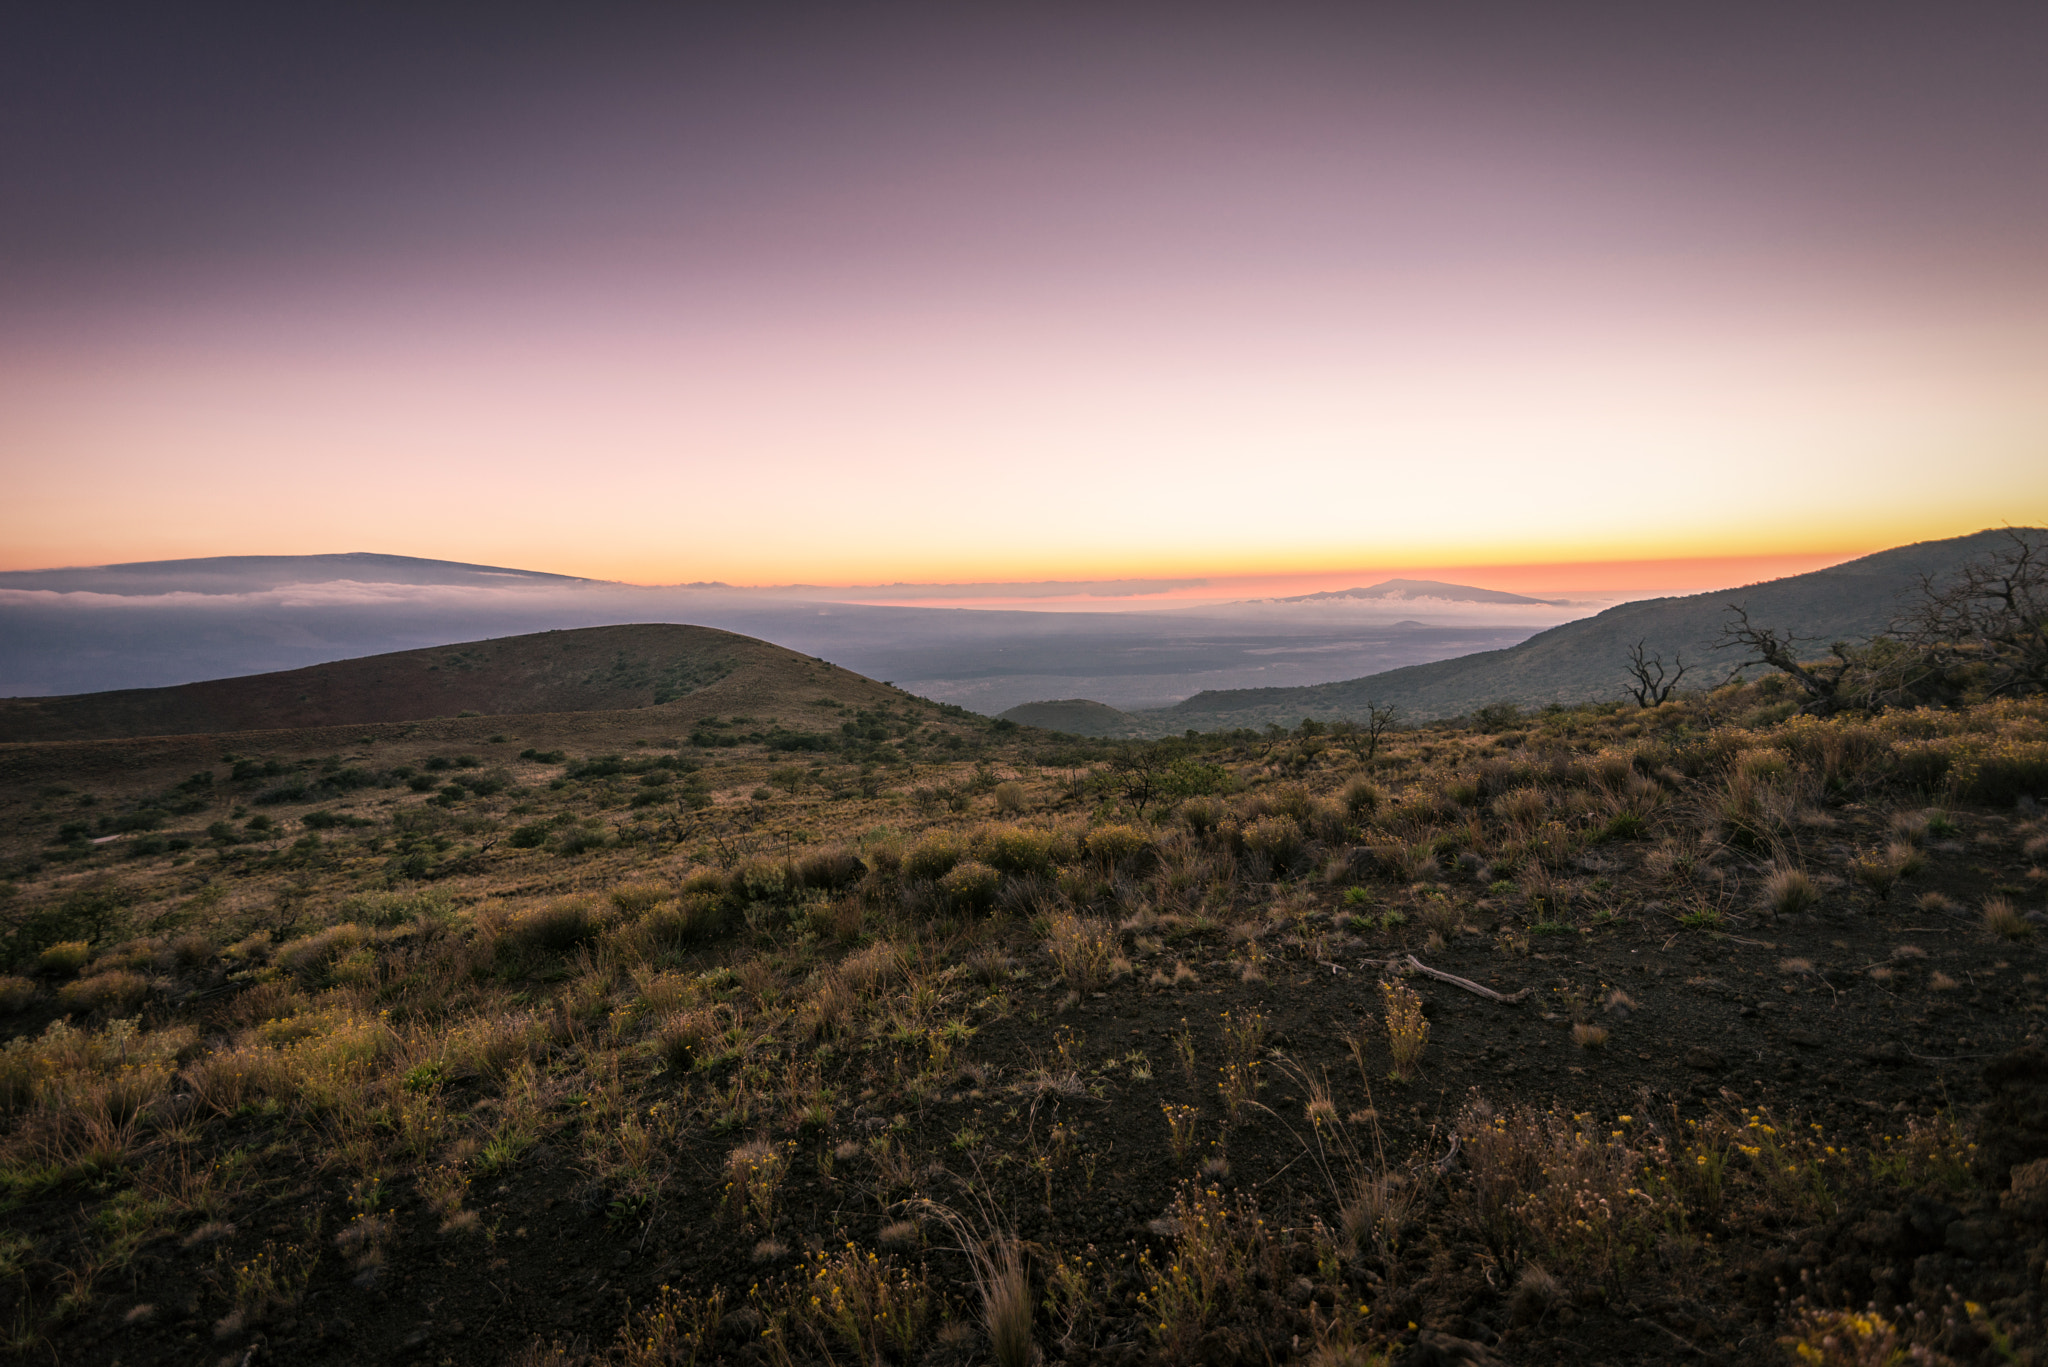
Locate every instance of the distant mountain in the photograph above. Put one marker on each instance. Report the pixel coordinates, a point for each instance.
(1404, 590)
(700, 670)
(1586, 660)
(223, 574)
(1076, 716)
(162, 623)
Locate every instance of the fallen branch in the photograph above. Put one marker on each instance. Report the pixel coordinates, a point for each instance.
(1455, 981)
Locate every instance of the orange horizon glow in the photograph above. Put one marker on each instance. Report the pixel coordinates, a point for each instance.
(1012, 298)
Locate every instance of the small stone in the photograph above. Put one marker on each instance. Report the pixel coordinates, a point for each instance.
(1704, 1060)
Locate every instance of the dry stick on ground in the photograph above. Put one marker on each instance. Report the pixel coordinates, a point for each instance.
(1455, 981)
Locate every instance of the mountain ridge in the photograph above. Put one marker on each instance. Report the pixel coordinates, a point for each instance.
(1586, 661)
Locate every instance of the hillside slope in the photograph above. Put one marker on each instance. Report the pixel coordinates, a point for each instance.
(593, 669)
(1586, 660)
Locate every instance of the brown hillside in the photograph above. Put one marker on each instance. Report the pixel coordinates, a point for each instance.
(590, 670)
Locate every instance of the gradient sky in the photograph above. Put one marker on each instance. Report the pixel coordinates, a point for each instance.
(861, 294)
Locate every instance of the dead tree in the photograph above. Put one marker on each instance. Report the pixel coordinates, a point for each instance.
(1652, 685)
(1362, 739)
(1822, 680)
(1988, 619)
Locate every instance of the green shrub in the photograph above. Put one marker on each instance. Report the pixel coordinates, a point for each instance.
(117, 992)
(581, 838)
(705, 883)
(1015, 850)
(92, 911)
(1362, 797)
(761, 879)
(933, 857)
(530, 836)
(554, 927)
(397, 908)
(829, 869)
(1275, 841)
(64, 958)
(1114, 845)
(971, 886)
(635, 898)
(677, 922)
(308, 958)
(1202, 814)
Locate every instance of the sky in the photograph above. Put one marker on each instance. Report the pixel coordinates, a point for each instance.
(1548, 298)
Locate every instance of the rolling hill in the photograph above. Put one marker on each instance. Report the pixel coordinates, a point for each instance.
(1075, 716)
(699, 670)
(1586, 660)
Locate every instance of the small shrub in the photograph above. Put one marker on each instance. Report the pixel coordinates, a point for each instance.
(581, 838)
(15, 993)
(971, 886)
(1009, 798)
(635, 898)
(679, 1039)
(115, 993)
(1407, 1028)
(2006, 921)
(64, 958)
(554, 927)
(311, 956)
(1589, 1036)
(1274, 841)
(933, 857)
(1362, 797)
(1790, 891)
(1082, 949)
(1115, 845)
(760, 879)
(1203, 814)
(831, 870)
(1014, 850)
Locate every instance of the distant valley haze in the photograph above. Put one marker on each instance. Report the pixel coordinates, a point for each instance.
(152, 624)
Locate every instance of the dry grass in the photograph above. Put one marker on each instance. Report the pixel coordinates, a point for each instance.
(1083, 949)
(2006, 921)
(1790, 891)
(807, 986)
(1407, 1028)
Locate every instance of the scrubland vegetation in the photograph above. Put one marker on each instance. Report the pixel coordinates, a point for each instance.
(891, 1035)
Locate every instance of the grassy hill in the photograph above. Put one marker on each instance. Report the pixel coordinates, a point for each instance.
(1586, 661)
(1075, 716)
(589, 670)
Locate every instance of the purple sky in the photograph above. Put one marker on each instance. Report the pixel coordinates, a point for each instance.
(985, 292)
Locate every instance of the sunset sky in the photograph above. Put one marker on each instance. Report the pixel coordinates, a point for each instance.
(863, 294)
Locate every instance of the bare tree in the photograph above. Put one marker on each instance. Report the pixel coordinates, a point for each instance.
(1362, 739)
(1652, 683)
(1138, 770)
(1989, 618)
(1822, 680)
